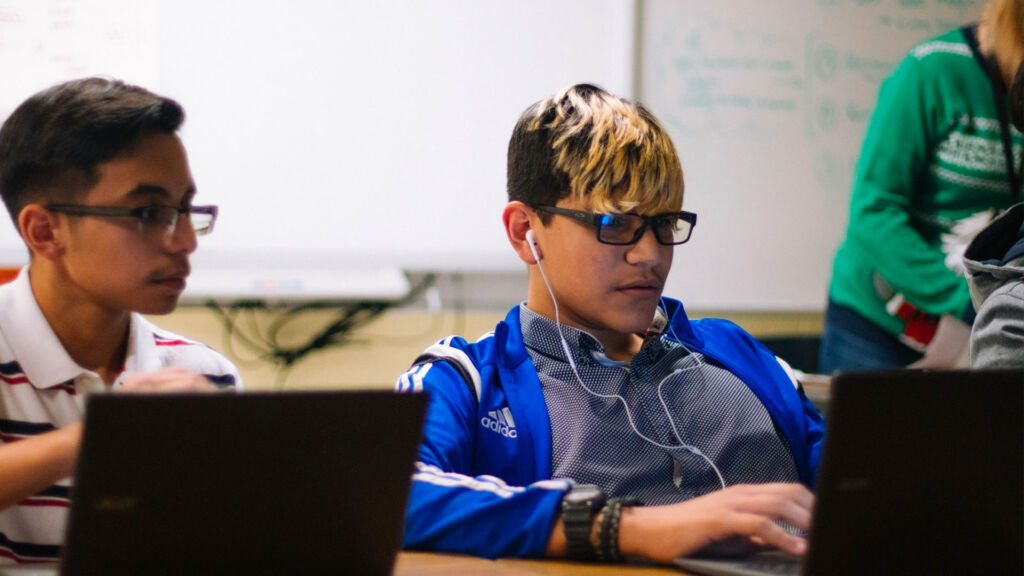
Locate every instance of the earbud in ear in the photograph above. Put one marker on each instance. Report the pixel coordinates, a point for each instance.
(533, 244)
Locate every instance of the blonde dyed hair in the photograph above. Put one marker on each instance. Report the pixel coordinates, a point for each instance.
(587, 144)
(1004, 31)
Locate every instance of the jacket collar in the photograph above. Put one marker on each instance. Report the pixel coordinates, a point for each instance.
(508, 335)
(679, 323)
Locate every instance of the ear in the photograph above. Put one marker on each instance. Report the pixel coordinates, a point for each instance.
(518, 219)
(42, 231)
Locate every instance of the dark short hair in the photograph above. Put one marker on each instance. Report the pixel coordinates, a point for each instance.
(607, 151)
(51, 144)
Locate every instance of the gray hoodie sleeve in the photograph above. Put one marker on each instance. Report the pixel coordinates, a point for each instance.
(997, 338)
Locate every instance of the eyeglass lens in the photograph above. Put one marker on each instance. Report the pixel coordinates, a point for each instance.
(622, 228)
(160, 222)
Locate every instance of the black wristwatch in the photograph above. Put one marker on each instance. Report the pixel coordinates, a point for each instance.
(579, 506)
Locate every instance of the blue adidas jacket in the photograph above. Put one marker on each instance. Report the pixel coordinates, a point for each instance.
(483, 485)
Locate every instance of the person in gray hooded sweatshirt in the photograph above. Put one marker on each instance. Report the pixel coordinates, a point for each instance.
(995, 273)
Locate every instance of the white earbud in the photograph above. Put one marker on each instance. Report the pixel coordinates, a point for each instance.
(533, 244)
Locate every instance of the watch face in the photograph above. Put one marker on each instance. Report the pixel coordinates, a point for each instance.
(584, 493)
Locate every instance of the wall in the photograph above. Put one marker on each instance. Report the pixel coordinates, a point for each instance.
(384, 349)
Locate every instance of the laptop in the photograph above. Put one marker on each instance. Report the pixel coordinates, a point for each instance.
(249, 483)
(922, 473)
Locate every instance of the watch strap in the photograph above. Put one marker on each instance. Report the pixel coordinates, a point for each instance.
(578, 521)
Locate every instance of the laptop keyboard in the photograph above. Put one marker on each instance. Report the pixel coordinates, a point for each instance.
(763, 564)
(774, 565)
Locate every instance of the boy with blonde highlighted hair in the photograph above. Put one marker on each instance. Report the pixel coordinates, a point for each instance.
(597, 421)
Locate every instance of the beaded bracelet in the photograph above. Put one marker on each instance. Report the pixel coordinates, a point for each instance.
(599, 521)
(611, 514)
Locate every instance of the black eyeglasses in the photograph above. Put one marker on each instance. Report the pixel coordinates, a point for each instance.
(157, 222)
(669, 228)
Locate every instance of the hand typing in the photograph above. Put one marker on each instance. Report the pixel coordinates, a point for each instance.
(748, 511)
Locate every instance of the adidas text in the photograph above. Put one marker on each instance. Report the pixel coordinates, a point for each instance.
(500, 422)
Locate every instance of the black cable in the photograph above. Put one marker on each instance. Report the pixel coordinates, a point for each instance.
(231, 332)
(266, 344)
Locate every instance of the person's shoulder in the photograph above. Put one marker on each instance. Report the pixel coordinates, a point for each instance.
(476, 347)
(719, 326)
(934, 70)
(725, 337)
(941, 53)
(178, 350)
(170, 340)
(25, 333)
(449, 360)
(1006, 300)
(996, 335)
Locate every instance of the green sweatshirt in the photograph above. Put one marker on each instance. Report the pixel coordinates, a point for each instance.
(932, 158)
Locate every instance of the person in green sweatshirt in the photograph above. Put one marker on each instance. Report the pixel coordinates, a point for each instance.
(938, 162)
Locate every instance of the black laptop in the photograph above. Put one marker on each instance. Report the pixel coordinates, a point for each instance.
(922, 473)
(250, 483)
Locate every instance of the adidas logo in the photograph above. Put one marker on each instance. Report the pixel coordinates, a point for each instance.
(500, 421)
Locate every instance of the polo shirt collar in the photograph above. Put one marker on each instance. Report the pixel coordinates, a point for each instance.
(37, 348)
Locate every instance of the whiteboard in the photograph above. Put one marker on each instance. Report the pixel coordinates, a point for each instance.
(342, 136)
(335, 134)
(767, 103)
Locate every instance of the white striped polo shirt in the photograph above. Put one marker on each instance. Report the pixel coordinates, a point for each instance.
(42, 389)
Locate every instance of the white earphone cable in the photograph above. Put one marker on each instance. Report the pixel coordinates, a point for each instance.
(625, 405)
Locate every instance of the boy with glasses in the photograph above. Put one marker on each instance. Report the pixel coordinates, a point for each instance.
(597, 395)
(99, 187)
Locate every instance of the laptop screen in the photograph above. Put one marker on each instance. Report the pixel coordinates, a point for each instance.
(251, 483)
(922, 473)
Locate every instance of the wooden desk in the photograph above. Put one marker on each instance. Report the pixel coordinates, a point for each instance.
(434, 564)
